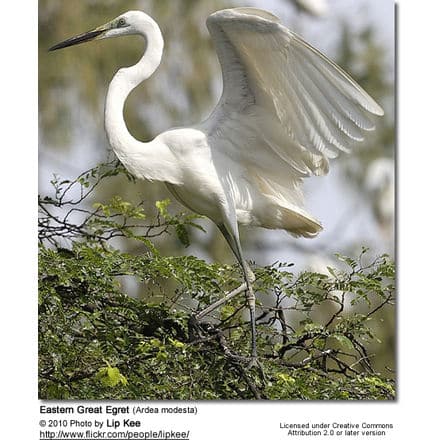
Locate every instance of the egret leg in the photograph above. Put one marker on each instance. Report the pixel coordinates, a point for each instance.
(250, 296)
(221, 301)
(249, 278)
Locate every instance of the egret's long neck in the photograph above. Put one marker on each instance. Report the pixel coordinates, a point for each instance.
(125, 80)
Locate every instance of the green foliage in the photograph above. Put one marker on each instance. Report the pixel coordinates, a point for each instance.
(97, 342)
(110, 376)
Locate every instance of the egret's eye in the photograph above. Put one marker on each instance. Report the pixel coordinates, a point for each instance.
(121, 22)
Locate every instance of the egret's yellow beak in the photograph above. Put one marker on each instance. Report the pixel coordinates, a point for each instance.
(87, 36)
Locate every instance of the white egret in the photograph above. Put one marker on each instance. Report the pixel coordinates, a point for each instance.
(285, 110)
(379, 182)
(318, 8)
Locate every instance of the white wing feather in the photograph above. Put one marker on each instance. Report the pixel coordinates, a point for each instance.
(266, 65)
(285, 108)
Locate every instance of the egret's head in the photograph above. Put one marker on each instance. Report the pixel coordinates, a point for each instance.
(125, 24)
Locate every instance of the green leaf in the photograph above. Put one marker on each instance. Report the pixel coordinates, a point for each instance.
(343, 340)
(162, 207)
(111, 376)
(182, 234)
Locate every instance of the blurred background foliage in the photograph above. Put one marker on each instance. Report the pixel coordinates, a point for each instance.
(72, 88)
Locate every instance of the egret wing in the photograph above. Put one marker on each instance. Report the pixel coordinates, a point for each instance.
(294, 100)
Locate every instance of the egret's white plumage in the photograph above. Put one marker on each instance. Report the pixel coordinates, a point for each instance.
(285, 110)
(379, 182)
(317, 8)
